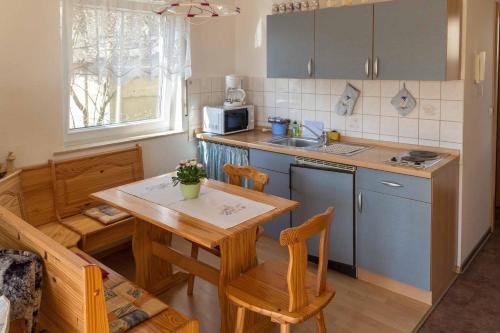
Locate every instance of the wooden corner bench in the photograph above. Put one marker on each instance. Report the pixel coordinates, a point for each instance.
(73, 296)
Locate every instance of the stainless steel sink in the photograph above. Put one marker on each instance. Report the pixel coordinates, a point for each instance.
(296, 142)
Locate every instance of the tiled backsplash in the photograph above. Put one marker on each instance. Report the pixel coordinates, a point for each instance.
(436, 121)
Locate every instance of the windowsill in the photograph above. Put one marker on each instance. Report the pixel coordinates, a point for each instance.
(80, 147)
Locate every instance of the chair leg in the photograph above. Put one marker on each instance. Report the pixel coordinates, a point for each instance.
(194, 255)
(240, 320)
(320, 322)
(285, 328)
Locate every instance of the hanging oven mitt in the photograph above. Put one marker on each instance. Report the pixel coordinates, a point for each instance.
(404, 102)
(347, 101)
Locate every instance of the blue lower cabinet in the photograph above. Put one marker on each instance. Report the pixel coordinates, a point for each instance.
(393, 237)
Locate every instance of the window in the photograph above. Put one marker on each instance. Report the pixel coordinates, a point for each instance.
(126, 68)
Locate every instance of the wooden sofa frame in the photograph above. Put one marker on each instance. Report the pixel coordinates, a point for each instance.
(73, 293)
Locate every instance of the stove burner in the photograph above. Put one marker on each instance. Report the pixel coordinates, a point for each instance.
(414, 159)
(426, 155)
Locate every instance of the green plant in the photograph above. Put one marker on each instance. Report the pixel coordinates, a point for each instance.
(189, 173)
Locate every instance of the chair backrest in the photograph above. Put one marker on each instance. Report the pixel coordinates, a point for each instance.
(72, 290)
(236, 172)
(74, 180)
(295, 239)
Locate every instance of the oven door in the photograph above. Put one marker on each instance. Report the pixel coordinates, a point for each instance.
(235, 120)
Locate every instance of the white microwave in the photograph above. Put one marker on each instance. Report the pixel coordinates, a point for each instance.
(227, 120)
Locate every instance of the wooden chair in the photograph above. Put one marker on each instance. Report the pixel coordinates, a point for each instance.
(235, 174)
(287, 293)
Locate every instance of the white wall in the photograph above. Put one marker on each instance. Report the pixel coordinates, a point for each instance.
(31, 114)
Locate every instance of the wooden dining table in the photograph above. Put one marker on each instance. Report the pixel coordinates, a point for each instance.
(154, 255)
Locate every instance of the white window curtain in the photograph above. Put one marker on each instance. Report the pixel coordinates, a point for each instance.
(125, 40)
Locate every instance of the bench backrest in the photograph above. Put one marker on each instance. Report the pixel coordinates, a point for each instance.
(73, 293)
(74, 180)
(11, 196)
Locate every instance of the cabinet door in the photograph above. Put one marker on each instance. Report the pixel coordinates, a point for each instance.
(316, 190)
(410, 40)
(393, 237)
(343, 42)
(278, 185)
(290, 45)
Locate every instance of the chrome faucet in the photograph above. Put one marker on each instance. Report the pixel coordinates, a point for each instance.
(322, 137)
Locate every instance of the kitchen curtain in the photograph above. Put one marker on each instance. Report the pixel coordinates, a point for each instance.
(125, 40)
(214, 156)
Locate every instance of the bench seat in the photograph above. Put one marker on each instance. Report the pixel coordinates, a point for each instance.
(97, 236)
(61, 234)
(168, 320)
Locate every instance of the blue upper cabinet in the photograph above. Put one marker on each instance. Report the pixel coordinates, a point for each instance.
(394, 40)
(343, 42)
(290, 45)
(417, 40)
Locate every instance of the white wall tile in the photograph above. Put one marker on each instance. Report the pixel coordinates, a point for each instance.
(389, 88)
(295, 115)
(282, 112)
(217, 98)
(308, 86)
(408, 128)
(324, 117)
(451, 132)
(430, 109)
(354, 134)
(371, 88)
(282, 100)
(308, 102)
(295, 86)
(371, 124)
(269, 99)
(389, 126)
(358, 107)
(269, 85)
(354, 123)
(205, 99)
(323, 87)
(338, 123)
(429, 129)
(386, 108)
(194, 86)
(452, 110)
(334, 101)
(323, 103)
(256, 84)
(338, 87)
(430, 89)
(308, 115)
(450, 145)
(295, 101)
(371, 136)
(371, 105)
(218, 84)
(282, 85)
(410, 141)
(390, 138)
(358, 84)
(429, 143)
(452, 90)
(258, 98)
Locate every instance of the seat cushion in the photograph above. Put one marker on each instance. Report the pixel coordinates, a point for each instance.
(265, 287)
(106, 214)
(61, 234)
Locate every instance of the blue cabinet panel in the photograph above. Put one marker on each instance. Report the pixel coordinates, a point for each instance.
(271, 161)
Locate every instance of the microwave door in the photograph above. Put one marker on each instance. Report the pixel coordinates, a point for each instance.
(235, 120)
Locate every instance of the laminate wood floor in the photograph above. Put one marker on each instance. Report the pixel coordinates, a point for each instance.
(358, 306)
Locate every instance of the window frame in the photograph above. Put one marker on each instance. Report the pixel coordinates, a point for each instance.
(165, 124)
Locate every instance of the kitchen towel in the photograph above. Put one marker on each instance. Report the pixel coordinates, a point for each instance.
(348, 100)
(404, 102)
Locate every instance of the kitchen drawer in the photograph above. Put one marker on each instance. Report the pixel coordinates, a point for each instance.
(409, 187)
(271, 161)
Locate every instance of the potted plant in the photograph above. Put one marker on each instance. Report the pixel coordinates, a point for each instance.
(189, 175)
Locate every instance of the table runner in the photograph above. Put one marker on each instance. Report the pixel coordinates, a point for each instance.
(213, 206)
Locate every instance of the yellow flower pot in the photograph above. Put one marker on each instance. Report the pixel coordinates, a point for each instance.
(191, 191)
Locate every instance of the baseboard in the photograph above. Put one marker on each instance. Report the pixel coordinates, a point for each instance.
(470, 258)
(395, 286)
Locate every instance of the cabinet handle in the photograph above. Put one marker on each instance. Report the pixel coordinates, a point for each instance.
(360, 202)
(310, 67)
(375, 67)
(391, 184)
(367, 67)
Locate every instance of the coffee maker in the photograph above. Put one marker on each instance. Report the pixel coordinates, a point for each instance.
(235, 95)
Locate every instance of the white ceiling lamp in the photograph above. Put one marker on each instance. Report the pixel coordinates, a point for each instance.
(197, 9)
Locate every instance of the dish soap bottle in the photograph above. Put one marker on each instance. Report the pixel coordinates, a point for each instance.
(296, 129)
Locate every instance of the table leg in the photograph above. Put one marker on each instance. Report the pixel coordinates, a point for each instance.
(152, 273)
(238, 255)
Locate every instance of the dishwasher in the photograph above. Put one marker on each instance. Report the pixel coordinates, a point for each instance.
(318, 185)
